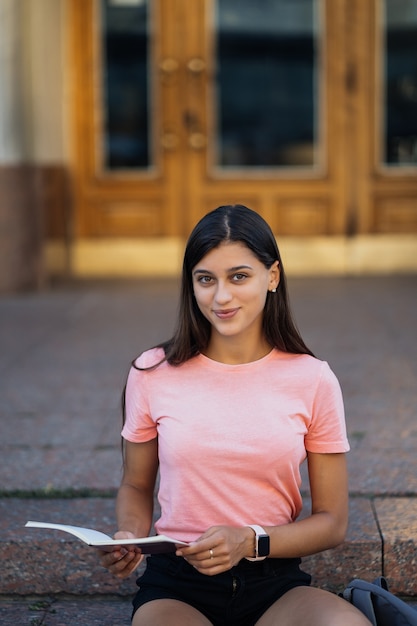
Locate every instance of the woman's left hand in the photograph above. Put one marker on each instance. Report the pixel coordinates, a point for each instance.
(219, 549)
(123, 560)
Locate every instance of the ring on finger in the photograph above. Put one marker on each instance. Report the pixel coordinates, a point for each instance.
(211, 551)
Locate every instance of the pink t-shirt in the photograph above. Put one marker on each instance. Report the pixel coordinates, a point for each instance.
(231, 438)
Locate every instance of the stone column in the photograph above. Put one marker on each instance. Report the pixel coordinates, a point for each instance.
(21, 240)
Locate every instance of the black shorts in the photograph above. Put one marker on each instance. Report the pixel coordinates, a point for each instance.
(238, 597)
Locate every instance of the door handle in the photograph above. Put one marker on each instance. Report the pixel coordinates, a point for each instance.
(168, 66)
(197, 141)
(196, 66)
(169, 141)
(168, 69)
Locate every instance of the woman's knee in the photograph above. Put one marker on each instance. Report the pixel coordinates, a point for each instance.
(167, 611)
(312, 607)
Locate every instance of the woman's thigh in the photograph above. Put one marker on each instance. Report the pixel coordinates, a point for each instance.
(309, 606)
(167, 611)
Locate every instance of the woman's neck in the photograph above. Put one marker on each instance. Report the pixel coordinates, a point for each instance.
(234, 353)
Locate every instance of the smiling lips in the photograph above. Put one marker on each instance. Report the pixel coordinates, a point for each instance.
(226, 314)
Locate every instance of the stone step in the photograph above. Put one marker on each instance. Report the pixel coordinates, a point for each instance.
(60, 610)
(381, 539)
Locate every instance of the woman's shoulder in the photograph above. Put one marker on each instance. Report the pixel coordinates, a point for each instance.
(304, 362)
(149, 358)
(297, 358)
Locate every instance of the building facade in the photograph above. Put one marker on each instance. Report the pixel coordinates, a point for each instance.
(130, 119)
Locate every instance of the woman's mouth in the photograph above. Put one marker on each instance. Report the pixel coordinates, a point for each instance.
(225, 314)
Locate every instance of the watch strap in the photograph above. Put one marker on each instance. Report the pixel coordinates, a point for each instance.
(258, 531)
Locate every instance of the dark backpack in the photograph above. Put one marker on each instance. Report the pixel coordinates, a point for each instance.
(380, 606)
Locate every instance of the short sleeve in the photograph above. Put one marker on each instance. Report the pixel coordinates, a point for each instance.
(139, 426)
(327, 430)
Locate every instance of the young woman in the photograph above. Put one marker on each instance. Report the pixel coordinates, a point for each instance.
(228, 409)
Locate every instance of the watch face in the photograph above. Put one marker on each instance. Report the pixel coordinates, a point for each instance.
(263, 545)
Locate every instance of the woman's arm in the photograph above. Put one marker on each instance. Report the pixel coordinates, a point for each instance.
(326, 526)
(134, 505)
(323, 529)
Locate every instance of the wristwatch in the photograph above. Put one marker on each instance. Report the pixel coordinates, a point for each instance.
(261, 543)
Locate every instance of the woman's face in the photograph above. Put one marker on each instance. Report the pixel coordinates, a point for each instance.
(230, 286)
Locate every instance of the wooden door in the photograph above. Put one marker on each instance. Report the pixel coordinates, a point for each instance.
(181, 106)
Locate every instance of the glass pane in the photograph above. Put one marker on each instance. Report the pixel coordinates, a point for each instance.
(125, 84)
(267, 56)
(400, 133)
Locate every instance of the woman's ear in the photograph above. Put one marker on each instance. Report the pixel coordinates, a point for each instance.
(274, 276)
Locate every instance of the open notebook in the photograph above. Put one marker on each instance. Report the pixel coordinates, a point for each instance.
(148, 545)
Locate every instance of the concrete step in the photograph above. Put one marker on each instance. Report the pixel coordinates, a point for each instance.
(61, 610)
(381, 539)
(101, 610)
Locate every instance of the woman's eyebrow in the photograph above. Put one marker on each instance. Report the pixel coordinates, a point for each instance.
(231, 269)
(202, 271)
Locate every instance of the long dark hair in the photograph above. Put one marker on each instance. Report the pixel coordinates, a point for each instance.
(228, 223)
(231, 223)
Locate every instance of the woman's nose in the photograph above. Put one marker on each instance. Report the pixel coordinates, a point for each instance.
(223, 293)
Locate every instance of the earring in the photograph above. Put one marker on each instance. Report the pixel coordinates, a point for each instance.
(274, 290)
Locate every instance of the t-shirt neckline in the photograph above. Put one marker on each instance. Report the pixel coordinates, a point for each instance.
(250, 364)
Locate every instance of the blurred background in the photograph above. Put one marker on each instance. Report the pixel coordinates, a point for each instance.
(122, 122)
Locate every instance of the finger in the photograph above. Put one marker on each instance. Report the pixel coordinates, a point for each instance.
(109, 558)
(200, 548)
(125, 566)
(206, 560)
(117, 560)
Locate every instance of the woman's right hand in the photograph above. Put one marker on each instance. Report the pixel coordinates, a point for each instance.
(122, 561)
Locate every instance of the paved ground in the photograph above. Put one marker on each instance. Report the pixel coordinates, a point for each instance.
(63, 360)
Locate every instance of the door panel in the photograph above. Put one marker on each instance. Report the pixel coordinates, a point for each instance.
(395, 191)
(398, 22)
(266, 84)
(384, 131)
(125, 115)
(126, 94)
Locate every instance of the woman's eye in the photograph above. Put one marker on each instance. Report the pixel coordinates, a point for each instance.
(239, 277)
(205, 280)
